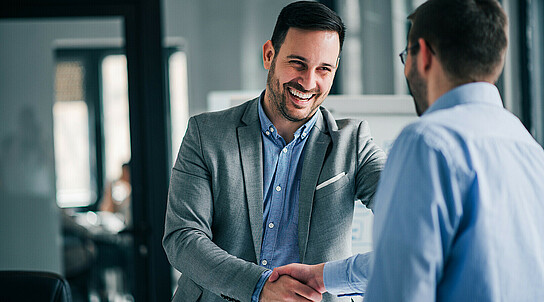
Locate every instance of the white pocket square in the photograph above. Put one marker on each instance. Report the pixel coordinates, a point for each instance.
(329, 181)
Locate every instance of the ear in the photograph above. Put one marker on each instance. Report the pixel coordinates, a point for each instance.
(426, 57)
(268, 54)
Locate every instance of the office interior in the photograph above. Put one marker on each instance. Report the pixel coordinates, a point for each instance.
(88, 88)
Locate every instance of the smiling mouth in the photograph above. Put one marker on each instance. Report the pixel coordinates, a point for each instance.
(300, 95)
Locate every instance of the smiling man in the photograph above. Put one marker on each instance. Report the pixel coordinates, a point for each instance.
(300, 77)
(274, 180)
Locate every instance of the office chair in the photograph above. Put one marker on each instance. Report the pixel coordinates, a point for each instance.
(27, 286)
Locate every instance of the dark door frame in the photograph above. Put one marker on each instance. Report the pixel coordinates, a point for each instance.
(148, 124)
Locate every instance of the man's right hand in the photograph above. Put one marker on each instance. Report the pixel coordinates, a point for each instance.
(285, 288)
(311, 275)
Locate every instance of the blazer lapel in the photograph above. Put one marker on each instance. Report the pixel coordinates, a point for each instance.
(316, 148)
(250, 144)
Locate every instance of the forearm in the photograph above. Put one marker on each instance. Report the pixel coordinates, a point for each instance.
(209, 266)
(348, 276)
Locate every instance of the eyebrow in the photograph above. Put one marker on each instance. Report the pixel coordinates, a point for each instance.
(304, 60)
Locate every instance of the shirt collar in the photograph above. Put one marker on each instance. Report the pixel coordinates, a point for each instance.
(479, 92)
(269, 129)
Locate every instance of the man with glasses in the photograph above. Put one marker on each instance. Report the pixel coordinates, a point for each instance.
(459, 207)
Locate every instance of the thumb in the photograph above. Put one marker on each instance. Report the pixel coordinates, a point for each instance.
(278, 271)
(274, 276)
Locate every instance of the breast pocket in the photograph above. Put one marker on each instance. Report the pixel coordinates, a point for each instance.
(331, 185)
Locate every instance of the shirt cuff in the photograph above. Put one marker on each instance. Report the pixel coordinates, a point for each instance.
(349, 276)
(260, 285)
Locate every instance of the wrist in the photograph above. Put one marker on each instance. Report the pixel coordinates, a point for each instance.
(319, 277)
(256, 297)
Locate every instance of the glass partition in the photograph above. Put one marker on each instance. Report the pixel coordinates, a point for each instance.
(64, 138)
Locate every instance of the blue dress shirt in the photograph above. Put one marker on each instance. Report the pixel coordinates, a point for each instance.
(281, 180)
(459, 209)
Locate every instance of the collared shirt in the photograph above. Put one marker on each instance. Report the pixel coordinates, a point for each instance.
(281, 181)
(459, 209)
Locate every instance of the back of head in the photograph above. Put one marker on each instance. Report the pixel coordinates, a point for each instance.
(309, 15)
(468, 36)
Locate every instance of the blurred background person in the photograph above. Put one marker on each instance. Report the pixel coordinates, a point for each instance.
(117, 196)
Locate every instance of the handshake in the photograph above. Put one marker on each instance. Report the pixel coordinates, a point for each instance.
(294, 282)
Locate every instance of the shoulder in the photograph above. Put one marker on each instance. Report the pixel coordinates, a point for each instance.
(227, 117)
(230, 113)
(342, 126)
(432, 131)
(433, 135)
(353, 134)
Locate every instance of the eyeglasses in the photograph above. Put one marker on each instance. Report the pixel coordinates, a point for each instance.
(404, 53)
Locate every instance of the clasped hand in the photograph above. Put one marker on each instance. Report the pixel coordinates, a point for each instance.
(294, 282)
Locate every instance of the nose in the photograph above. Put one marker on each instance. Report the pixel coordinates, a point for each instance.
(309, 79)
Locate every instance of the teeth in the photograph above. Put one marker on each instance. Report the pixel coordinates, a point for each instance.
(300, 95)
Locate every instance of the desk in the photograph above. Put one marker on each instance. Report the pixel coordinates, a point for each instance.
(105, 246)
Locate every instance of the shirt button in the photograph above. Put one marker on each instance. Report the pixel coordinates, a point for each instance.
(284, 150)
(264, 262)
(271, 129)
(267, 132)
(271, 225)
(304, 134)
(278, 188)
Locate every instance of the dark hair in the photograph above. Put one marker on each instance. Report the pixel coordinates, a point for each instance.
(308, 15)
(468, 36)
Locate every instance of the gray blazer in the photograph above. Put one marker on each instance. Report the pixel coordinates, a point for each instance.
(214, 217)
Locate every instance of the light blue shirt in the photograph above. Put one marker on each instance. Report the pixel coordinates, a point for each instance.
(459, 209)
(281, 180)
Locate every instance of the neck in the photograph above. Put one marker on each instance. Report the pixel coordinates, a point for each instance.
(439, 83)
(287, 129)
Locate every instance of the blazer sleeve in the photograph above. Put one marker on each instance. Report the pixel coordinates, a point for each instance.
(188, 227)
(370, 164)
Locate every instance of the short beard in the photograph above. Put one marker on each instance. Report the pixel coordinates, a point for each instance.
(418, 89)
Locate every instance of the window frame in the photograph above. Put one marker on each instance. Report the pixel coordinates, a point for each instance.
(91, 59)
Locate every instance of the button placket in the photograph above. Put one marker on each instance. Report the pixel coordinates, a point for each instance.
(278, 199)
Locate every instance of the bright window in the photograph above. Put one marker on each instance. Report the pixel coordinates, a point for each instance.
(115, 114)
(71, 137)
(179, 111)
